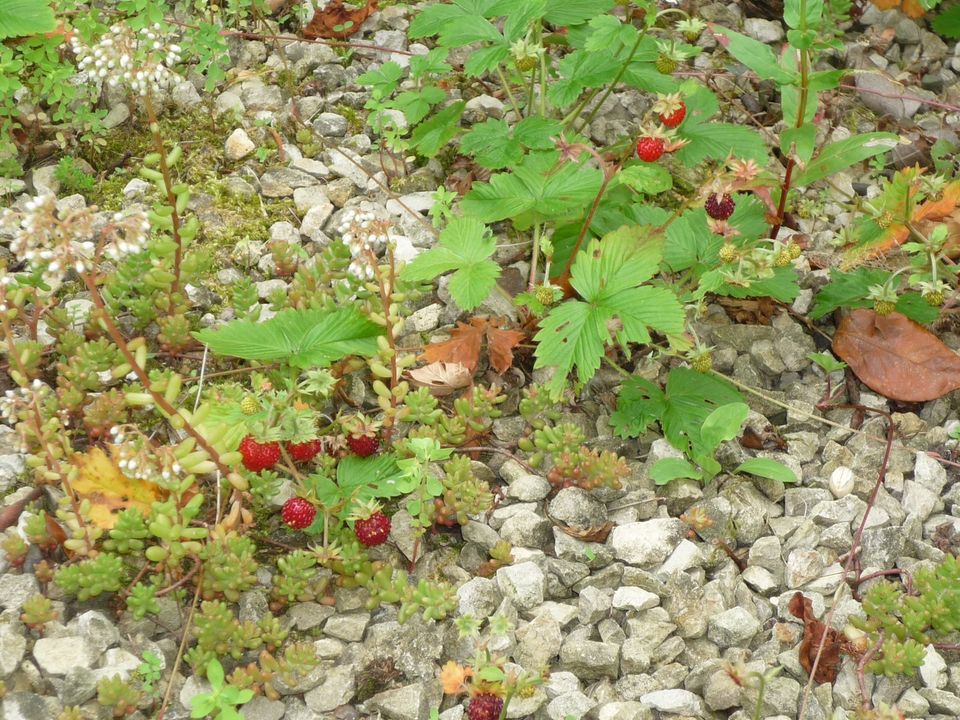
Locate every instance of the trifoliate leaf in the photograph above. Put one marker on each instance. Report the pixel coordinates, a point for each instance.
(465, 247)
(536, 191)
(581, 70)
(715, 140)
(430, 137)
(607, 276)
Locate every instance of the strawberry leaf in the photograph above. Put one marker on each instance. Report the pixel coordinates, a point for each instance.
(613, 307)
(303, 338)
(465, 247)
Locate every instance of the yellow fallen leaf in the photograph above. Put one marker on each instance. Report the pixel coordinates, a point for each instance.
(109, 491)
(910, 8)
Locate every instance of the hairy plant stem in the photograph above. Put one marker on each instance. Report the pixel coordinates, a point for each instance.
(53, 462)
(535, 258)
(171, 197)
(159, 400)
(506, 87)
(613, 84)
(801, 119)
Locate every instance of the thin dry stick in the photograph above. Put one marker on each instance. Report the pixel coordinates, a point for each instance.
(881, 475)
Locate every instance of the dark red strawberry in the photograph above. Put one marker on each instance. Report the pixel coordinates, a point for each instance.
(370, 525)
(298, 513)
(363, 445)
(650, 149)
(259, 456)
(671, 120)
(485, 706)
(305, 451)
(719, 206)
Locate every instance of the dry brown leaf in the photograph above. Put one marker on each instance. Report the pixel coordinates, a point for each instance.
(338, 21)
(813, 634)
(442, 378)
(896, 357)
(109, 491)
(466, 341)
(596, 534)
(910, 8)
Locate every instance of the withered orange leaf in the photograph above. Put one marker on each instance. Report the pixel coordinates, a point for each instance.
(896, 357)
(466, 341)
(338, 21)
(108, 489)
(441, 378)
(910, 8)
(926, 215)
(463, 346)
(500, 345)
(813, 634)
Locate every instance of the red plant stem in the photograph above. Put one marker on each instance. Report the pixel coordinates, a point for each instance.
(607, 177)
(171, 198)
(858, 536)
(905, 577)
(141, 373)
(861, 669)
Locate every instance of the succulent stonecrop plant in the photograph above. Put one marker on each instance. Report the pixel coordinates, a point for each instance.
(38, 610)
(118, 695)
(901, 625)
(469, 422)
(572, 462)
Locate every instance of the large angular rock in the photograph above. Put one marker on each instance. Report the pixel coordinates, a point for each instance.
(646, 543)
(56, 656)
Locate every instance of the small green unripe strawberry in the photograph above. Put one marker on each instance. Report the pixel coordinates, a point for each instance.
(783, 258)
(249, 405)
(884, 307)
(527, 63)
(545, 295)
(794, 250)
(934, 298)
(728, 252)
(665, 64)
(702, 362)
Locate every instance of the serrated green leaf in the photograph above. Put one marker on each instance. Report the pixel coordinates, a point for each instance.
(643, 75)
(304, 338)
(690, 243)
(847, 290)
(537, 133)
(712, 139)
(844, 153)
(536, 191)
(610, 34)
(606, 275)
(464, 30)
(574, 12)
(947, 23)
(431, 136)
(433, 63)
(383, 80)
(484, 60)
(20, 18)
(767, 468)
(581, 70)
(646, 178)
(757, 56)
(465, 247)
(415, 105)
(491, 145)
(520, 16)
(681, 410)
(667, 469)
(723, 424)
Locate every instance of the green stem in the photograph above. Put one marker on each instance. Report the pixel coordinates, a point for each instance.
(610, 88)
(534, 258)
(506, 702)
(506, 87)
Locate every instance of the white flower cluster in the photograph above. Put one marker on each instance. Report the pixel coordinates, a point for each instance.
(142, 61)
(13, 400)
(136, 463)
(54, 244)
(364, 235)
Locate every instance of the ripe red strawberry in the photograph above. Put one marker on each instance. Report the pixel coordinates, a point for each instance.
(363, 445)
(259, 456)
(671, 120)
(484, 706)
(719, 207)
(370, 525)
(305, 451)
(650, 149)
(298, 513)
